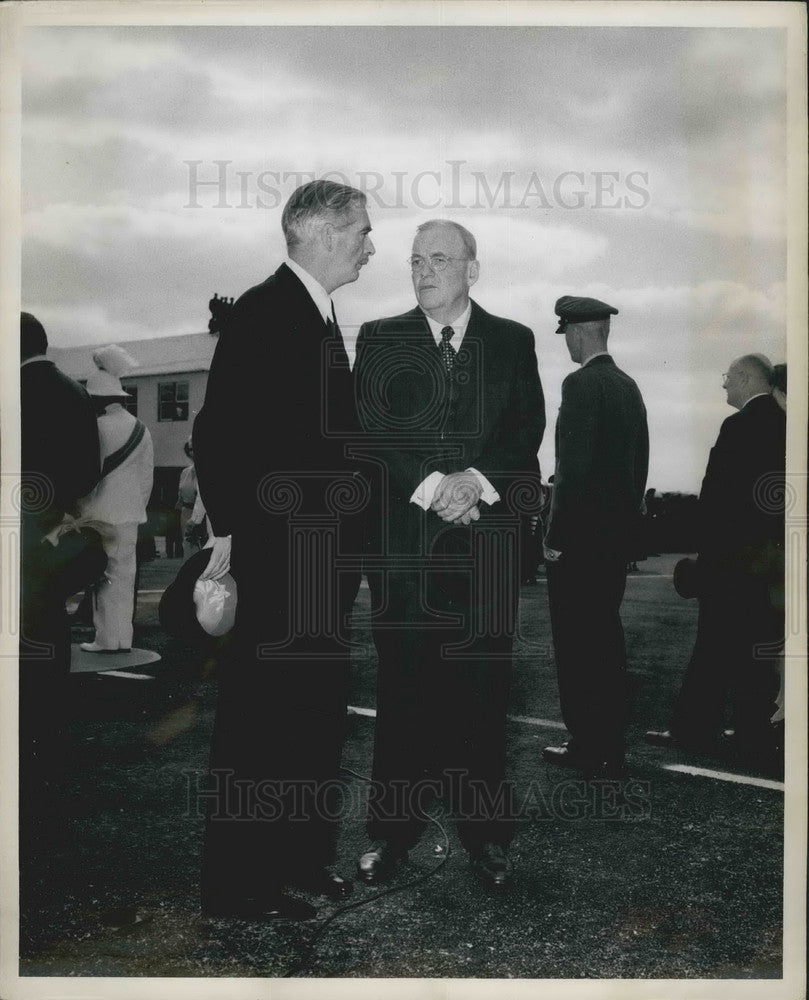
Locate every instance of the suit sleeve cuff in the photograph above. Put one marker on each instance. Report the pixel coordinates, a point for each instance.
(425, 491)
(489, 494)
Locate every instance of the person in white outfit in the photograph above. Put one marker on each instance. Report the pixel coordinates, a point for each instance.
(119, 499)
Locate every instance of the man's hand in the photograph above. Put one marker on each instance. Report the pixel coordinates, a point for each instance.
(219, 563)
(551, 555)
(456, 495)
(473, 514)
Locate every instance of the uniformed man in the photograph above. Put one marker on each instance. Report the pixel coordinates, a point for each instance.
(602, 455)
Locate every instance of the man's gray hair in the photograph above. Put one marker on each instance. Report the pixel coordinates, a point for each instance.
(469, 243)
(757, 366)
(314, 202)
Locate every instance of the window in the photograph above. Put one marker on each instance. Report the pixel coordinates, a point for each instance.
(172, 401)
(131, 403)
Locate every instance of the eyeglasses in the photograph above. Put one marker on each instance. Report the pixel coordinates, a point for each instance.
(437, 261)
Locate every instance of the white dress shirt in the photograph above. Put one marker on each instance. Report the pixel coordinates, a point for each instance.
(425, 491)
(322, 300)
(756, 396)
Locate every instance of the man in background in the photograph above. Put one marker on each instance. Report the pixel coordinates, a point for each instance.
(602, 458)
(740, 573)
(60, 463)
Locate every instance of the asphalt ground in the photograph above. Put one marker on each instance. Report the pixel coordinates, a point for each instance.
(680, 879)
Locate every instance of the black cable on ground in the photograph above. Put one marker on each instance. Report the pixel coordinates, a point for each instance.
(391, 890)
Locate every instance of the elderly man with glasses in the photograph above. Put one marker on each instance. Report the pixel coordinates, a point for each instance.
(452, 407)
(740, 571)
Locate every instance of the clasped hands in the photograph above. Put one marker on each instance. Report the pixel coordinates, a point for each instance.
(456, 498)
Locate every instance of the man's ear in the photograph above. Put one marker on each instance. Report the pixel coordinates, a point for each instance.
(472, 272)
(326, 235)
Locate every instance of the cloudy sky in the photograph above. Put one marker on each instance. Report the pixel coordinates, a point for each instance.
(644, 166)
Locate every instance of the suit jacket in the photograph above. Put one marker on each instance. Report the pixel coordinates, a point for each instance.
(490, 416)
(122, 495)
(59, 442)
(741, 502)
(279, 403)
(602, 459)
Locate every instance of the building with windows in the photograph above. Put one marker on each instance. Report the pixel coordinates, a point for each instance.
(167, 390)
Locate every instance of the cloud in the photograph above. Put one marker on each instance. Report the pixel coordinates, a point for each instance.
(59, 54)
(714, 303)
(112, 229)
(89, 323)
(111, 115)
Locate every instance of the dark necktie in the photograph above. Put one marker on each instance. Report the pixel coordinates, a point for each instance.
(447, 350)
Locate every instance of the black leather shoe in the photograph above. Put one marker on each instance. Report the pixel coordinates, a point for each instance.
(566, 755)
(326, 882)
(491, 865)
(590, 765)
(661, 738)
(280, 907)
(378, 862)
(666, 738)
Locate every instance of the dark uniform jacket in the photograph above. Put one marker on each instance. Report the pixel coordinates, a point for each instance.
(602, 458)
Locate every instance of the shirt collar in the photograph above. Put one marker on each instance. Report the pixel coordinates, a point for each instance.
(756, 397)
(458, 327)
(317, 293)
(36, 357)
(600, 354)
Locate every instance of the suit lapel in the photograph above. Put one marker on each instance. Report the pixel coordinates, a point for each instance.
(308, 325)
(471, 363)
(305, 315)
(420, 335)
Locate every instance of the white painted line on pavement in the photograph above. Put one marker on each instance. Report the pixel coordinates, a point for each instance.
(550, 724)
(151, 591)
(739, 779)
(545, 723)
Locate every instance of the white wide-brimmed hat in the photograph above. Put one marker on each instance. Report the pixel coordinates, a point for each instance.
(112, 362)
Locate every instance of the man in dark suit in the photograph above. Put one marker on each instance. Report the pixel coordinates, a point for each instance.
(270, 446)
(740, 571)
(452, 406)
(60, 463)
(602, 457)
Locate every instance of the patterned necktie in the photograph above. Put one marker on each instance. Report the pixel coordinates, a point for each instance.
(447, 350)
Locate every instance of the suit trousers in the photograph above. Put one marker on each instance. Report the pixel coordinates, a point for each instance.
(273, 794)
(740, 636)
(585, 591)
(115, 602)
(443, 687)
(44, 665)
